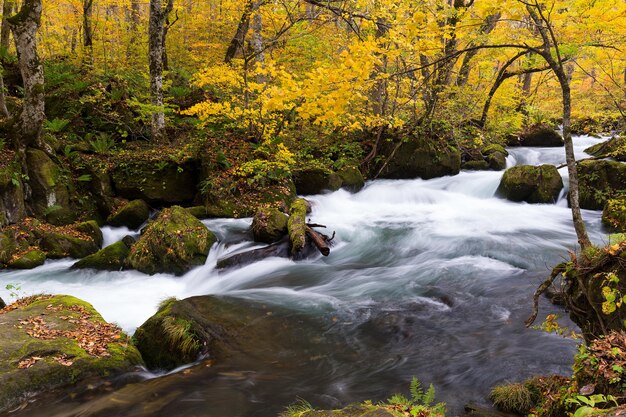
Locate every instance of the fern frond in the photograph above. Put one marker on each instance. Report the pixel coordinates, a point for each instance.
(417, 392)
(429, 397)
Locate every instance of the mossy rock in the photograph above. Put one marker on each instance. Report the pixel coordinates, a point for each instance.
(50, 196)
(296, 225)
(173, 243)
(417, 157)
(532, 184)
(8, 245)
(496, 161)
(29, 260)
(269, 225)
(476, 165)
(494, 148)
(132, 215)
(62, 361)
(199, 212)
(91, 229)
(599, 181)
(61, 245)
(314, 180)
(12, 208)
(540, 135)
(614, 214)
(613, 148)
(162, 182)
(355, 410)
(351, 178)
(111, 258)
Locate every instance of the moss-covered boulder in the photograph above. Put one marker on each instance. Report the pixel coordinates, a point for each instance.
(269, 225)
(540, 135)
(297, 225)
(494, 148)
(8, 246)
(162, 182)
(351, 178)
(417, 157)
(614, 214)
(132, 215)
(66, 243)
(111, 258)
(532, 184)
(481, 165)
(314, 180)
(91, 229)
(199, 212)
(613, 148)
(28, 260)
(173, 243)
(12, 208)
(496, 161)
(599, 181)
(50, 189)
(51, 341)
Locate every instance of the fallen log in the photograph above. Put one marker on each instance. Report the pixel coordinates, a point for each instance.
(319, 240)
(279, 249)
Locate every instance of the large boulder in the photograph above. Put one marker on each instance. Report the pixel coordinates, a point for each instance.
(12, 208)
(50, 189)
(111, 258)
(269, 225)
(613, 148)
(132, 215)
(417, 157)
(351, 178)
(58, 243)
(91, 229)
(163, 182)
(533, 184)
(599, 181)
(173, 243)
(314, 180)
(539, 135)
(8, 246)
(28, 260)
(51, 341)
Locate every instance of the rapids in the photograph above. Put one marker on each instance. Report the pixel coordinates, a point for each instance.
(427, 278)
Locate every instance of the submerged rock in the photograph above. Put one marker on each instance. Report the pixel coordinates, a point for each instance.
(132, 215)
(52, 341)
(173, 243)
(533, 184)
(599, 181)
(269, 225)
(29, 260)
(540, 135)
(111, 258)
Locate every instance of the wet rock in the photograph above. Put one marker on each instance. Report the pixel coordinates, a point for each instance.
(297, 225)
(111, 258)
(161, 182)
(29, 260)
(173, 243)
(613, 148)
(50, 197)
(481, 165)
(132, 215)
(91, 229)
(540, 135)
(351, 178)
(356, 410)
(269, 225)
(2, 303)
(533, 184)
(7, 247)
(315, 180)
(599, 181)
(494, 148)
(418, 157)
(497, 161)
(474, 410)
(60, 356)
(199, 212)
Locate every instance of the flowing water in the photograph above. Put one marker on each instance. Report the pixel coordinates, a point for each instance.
(426, 278)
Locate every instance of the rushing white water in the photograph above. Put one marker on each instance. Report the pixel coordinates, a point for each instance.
(446, 250)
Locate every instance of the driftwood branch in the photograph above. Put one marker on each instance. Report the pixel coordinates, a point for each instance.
(559, 269)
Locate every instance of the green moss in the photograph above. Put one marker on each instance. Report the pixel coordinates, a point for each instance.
(351, 178)
(533, 184)
(614, 214)
(494, 147)
(269, 225)
(476, 165)
(29, 260)
(516, 398)
(91, 229)
(612, 148)
(314, 180)
(7, 247)
(58, 245)
(111, 258)
(132, 215)
(174, 243)
(297, 225)
(599, 181)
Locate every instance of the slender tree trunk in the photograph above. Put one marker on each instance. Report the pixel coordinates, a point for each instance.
(88, 31)
(5, 37)
(133, 29)
(257, 43)
(237, 43)
(486, 28)
(24, 26)
(156, 30)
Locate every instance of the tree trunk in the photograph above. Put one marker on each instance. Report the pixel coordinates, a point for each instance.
(88, 32)
(237, 43)
(133, 29)
(156, 32)
(24, 26)
(486, 28)
(5, 37)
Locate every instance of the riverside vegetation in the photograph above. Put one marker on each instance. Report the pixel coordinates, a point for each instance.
(244, 106)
